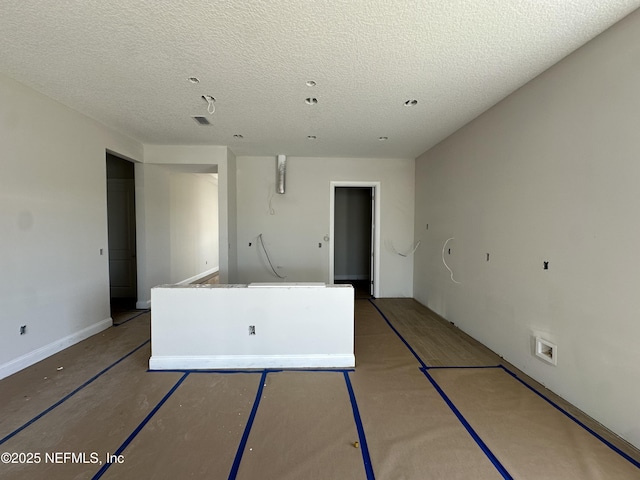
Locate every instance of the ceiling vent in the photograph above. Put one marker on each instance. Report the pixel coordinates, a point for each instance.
(202, 120)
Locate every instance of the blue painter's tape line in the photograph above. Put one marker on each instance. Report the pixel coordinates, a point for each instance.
(129, 319)
(247, 429)
(69, 395)
(424, 365)
(466, 368)
(312, 370)
(221, 371)
(268, 370)
(368, 468)
(472, 432)
(559, 408)
(142, 424)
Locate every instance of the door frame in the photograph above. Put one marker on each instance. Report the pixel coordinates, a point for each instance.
(375, 228)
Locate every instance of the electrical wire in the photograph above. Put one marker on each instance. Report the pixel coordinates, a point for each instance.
(404, 254)
(211, 107)
(268, 259)
(445, 263)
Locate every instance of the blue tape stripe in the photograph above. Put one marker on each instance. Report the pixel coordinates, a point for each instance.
(129, 319)
(254, 372)
(466, 368)
(69, 395)
(453, 408)
(472, 432)
(133, 435)
(247, 429)
(368, 468)
(587, 428)
(268, 370)
(424, 365)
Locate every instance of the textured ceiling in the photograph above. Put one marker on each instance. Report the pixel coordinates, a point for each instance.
(126, 64)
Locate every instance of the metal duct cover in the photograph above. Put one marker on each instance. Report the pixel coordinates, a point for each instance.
(281, 170)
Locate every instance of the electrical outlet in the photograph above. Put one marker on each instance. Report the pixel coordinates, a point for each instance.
(547, 351)
(23, 329)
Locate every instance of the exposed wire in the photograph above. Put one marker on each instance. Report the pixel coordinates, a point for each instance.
(211, 107)
(445, 263)
(404, 254)
(268, 259)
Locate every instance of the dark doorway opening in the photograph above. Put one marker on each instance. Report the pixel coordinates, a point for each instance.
(121, 218)
(353, 238)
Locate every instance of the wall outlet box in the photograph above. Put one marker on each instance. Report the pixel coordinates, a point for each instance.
(547, 351)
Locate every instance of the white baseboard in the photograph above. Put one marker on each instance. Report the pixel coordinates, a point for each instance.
(143, 305)
(215, 362)
(211, 271)
(28, 359)
(351, 277)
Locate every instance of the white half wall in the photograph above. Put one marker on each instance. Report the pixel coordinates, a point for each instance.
(551, 174)
(295, 326)
(295, 223)
(53, 224)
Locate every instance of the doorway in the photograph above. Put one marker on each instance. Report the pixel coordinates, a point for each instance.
(354, 236)
(121, 221)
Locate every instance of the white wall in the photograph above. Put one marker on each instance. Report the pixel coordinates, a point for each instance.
(549, 174)
(301, 217)
(177, 215)
(194, 159)
(228, 210)
(193, 225)
(53, 223)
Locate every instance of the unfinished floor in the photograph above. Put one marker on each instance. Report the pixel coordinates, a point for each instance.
(424, 402)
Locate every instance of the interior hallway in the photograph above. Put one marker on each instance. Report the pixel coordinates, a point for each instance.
(425, 401)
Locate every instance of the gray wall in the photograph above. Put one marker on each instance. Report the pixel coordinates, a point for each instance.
(301, 217)
(552, 173)
(53, 223)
